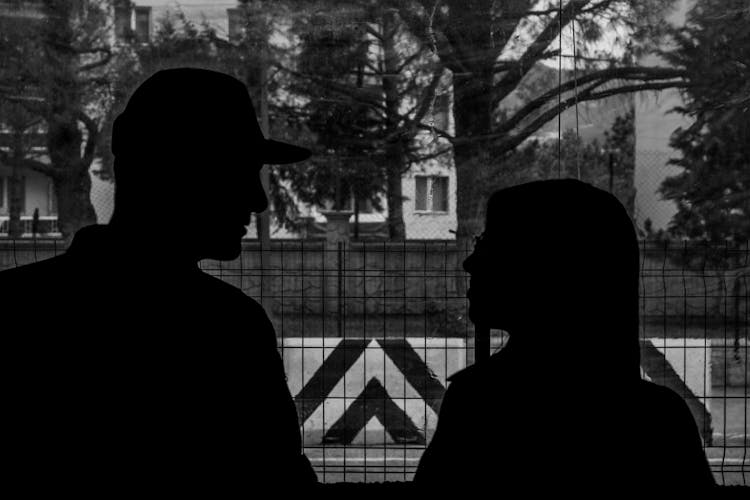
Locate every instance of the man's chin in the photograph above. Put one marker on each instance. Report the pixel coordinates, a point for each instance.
(475, 316)
(229, 251)
(480, 317)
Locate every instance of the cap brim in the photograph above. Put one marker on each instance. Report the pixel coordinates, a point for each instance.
(278, 153)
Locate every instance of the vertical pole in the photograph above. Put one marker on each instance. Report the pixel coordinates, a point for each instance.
(263, 218)
(337, 236)
(611, 172)
(340, 287)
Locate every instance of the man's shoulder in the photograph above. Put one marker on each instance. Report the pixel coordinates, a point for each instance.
(229, 295)
(655, 395)
(652, 393)
(481, 372)
(218, 286)
(665, 406)
(31, 274)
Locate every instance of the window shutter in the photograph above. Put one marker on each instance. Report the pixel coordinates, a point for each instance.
(51, 198)
(234, 24)
(420, 195)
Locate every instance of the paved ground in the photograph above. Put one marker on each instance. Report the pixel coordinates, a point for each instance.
(730, 416)
(731, 466)
(360, 464)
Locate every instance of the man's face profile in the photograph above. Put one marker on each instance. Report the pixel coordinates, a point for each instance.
(482, 268)
(189, 142)
(226, 196)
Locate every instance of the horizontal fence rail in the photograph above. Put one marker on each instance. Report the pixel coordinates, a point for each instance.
(370, 331)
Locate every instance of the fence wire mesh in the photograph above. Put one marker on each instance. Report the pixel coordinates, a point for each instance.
(370, 331)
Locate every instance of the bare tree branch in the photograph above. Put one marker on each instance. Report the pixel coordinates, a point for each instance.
(356, 93)
(408, 60)
(99, 63)
(373, 32)
(595, 7)
(508, 142)
(426, 99)
(504, 24)
(506, 65)
(37, 166)
(637, 88)
(538, 47)
(419, 26)
(436, 131)
(416, 158)
(641, 73)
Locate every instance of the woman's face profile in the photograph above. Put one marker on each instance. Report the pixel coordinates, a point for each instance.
(489, 304)
(507, 276)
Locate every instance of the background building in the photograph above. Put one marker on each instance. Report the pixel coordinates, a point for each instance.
(36, 191)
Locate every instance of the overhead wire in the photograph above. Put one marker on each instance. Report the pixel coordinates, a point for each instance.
(575, 90)
(559, 93)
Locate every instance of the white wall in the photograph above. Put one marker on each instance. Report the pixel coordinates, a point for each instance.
(102, 195)
(429, 225)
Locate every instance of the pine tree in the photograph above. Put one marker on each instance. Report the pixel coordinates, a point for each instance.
(713, 190)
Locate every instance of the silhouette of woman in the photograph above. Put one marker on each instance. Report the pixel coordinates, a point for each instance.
(562, 406)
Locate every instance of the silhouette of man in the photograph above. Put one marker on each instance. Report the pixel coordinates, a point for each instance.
(562, 406)
(136, 372)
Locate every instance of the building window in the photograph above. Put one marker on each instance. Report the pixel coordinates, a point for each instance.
(142, 24)
(235, 20)
(431, 193)
(2, 192)
(364, 206)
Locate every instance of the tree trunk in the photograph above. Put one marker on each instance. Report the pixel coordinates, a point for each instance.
(15, 189)
(473, 117)
(396, 226)
(74, 208)
(15, 203)
(65, 141)
(394, 158)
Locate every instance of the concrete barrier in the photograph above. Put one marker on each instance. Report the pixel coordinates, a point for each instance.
(370, 391)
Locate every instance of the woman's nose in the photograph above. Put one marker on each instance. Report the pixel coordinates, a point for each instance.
(468, 263)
